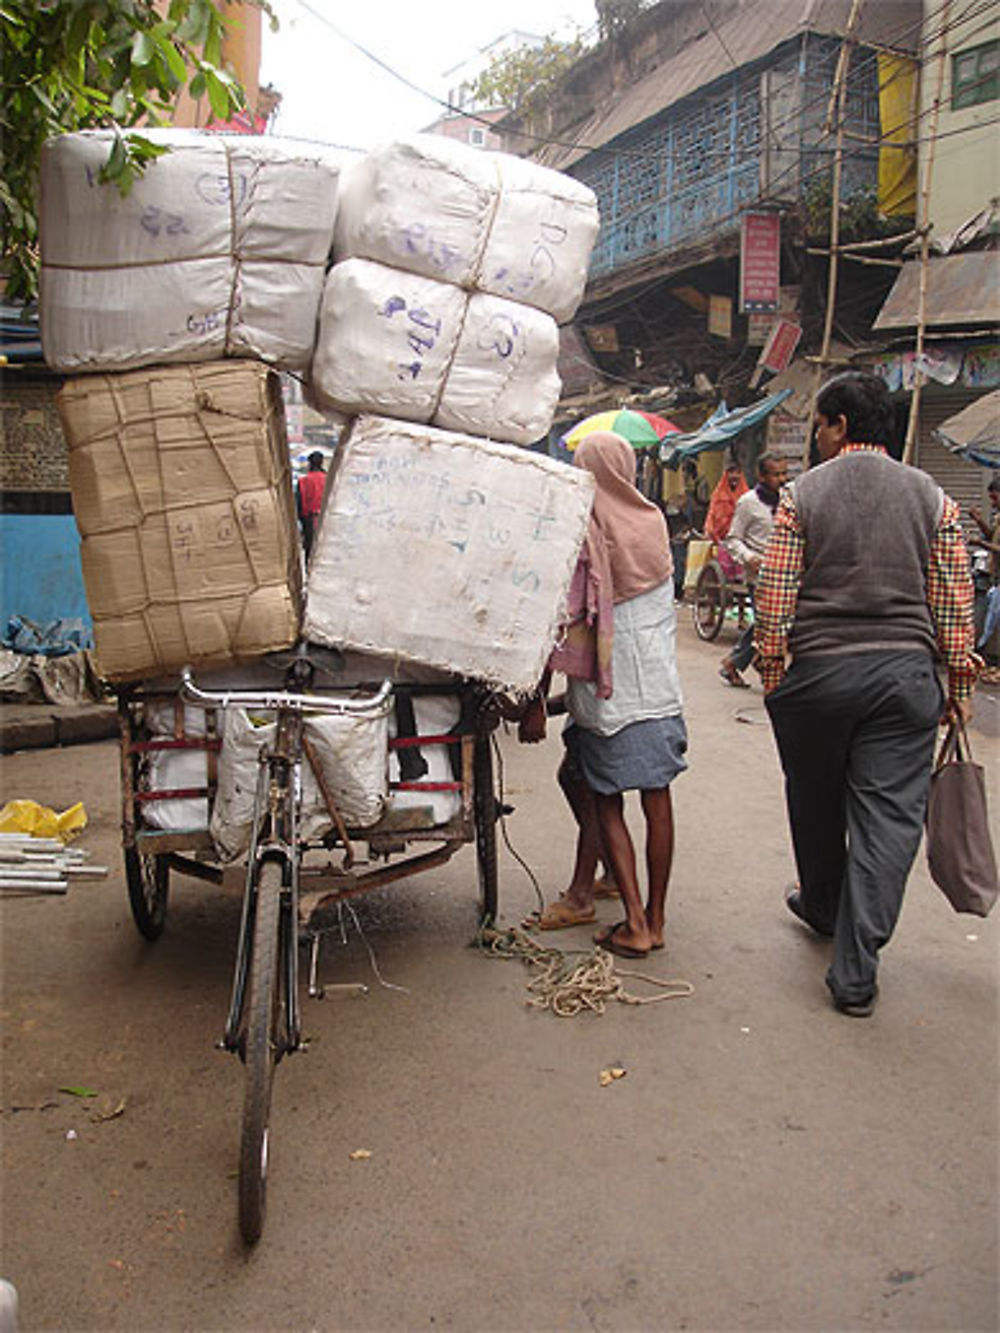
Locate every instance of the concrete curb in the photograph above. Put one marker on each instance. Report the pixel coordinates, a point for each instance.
(44, 726)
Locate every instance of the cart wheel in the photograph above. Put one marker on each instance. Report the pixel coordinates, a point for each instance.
(148, 878)
(263, 1009)
(486, 814)
(708, 607)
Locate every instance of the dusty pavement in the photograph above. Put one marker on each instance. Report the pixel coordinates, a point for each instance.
(765, 1164)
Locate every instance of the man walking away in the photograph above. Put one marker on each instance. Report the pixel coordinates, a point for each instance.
(865, 580)
(749, 532)
(309, 499)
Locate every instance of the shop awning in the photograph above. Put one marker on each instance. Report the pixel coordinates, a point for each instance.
(961, 289)
(720, 429)
(974, 433)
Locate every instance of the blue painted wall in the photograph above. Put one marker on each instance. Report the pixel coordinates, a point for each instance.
(40, 575)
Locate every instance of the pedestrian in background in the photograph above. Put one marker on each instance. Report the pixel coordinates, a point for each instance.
(309, 499)
(866, 579)
(746, 543)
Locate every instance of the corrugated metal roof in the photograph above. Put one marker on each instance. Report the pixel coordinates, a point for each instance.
(961, 289)
(749, 34)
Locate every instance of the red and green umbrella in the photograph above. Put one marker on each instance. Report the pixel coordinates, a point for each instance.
(641, 429)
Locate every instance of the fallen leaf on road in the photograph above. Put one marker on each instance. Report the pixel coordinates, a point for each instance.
(608, 1076)
(106, 1108)
(79, 1092)
(360, 1155)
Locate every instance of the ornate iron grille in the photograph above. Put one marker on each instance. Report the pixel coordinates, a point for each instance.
(690, 172)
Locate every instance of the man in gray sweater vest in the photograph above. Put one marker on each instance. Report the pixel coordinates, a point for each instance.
(866, 581)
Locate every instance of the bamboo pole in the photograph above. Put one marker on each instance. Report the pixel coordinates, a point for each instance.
(835, 113)
(924, 227)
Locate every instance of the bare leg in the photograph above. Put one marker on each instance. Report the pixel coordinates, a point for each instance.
(588, 843)
(659, 811)
(619, 851)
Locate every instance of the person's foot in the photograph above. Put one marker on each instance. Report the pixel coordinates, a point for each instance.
(731, 676)
(605, 886)
(793, 901)
(655, 929)
(619, 939)
(856, 1008)
(564, 913)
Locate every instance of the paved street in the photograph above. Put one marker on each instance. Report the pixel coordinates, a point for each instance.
(765, 1163)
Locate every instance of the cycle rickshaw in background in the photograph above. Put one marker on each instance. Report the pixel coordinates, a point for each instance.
(717, 589)
(294, 879)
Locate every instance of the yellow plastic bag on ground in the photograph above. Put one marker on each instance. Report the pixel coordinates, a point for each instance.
(40, 822)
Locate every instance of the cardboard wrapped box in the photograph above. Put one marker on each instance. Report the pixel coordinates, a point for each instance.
(399, 344)
(219, 249)
(182, 495)
(445, 550)
(488, 222)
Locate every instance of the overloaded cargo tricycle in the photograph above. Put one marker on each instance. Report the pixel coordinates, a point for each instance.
(290, 791)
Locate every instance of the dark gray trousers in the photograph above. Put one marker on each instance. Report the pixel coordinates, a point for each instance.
(856, 734)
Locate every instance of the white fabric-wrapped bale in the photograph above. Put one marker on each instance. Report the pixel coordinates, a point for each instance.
(485, 221)
(386, 339)
(219, 249)
(438, 548)
(402, 345)
(503, 381)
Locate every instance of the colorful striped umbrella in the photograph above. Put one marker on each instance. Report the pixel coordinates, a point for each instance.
(641, 429)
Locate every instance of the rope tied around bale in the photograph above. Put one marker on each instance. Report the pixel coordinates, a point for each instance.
(568, 988)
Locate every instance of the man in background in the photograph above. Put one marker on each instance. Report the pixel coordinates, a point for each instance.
(309, 499)
(747, 541)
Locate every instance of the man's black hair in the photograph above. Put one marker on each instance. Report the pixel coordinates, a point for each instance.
(315, 460)
(863, 401)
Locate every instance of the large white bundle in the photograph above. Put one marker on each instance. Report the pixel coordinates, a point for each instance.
(402, 345)
(446, 550)
(485, 221)
(218, 250)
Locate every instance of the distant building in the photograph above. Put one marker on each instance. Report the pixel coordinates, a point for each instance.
(471, 120)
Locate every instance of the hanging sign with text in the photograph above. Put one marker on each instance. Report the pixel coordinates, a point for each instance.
(760, 263)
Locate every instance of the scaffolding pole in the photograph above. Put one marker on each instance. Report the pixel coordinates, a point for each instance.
(924, 228)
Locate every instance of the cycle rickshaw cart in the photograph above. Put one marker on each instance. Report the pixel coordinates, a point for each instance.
(292, 884)
(718, 588)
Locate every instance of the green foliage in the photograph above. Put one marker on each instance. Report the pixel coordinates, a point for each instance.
(78, 64)
(523, 78)
(860, 219)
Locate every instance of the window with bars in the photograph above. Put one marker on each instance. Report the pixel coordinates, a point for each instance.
(975, 75)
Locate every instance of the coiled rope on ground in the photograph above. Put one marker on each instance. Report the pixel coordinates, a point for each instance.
(570, 987)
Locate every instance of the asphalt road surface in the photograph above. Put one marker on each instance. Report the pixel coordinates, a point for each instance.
(765, 1163)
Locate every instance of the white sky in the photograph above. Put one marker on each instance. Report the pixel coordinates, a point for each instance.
(334, 93)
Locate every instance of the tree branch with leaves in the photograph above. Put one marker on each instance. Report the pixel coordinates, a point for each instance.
(82, 64)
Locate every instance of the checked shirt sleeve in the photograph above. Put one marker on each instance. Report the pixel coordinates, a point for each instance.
(777, 592)
(950, 598)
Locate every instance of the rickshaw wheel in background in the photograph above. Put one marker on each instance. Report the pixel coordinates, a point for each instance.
(148, 879)
(263, 1011)
(486, 812)
(708, 608)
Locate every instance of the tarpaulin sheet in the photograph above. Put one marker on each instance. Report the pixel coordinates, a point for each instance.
(719, 430)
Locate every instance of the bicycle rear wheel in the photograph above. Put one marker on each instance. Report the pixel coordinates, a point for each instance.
(263, 1009)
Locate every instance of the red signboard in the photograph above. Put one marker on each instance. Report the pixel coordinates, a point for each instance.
(760, 263)
(780, 346)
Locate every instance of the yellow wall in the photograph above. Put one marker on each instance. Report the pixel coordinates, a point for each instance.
(966, 173)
